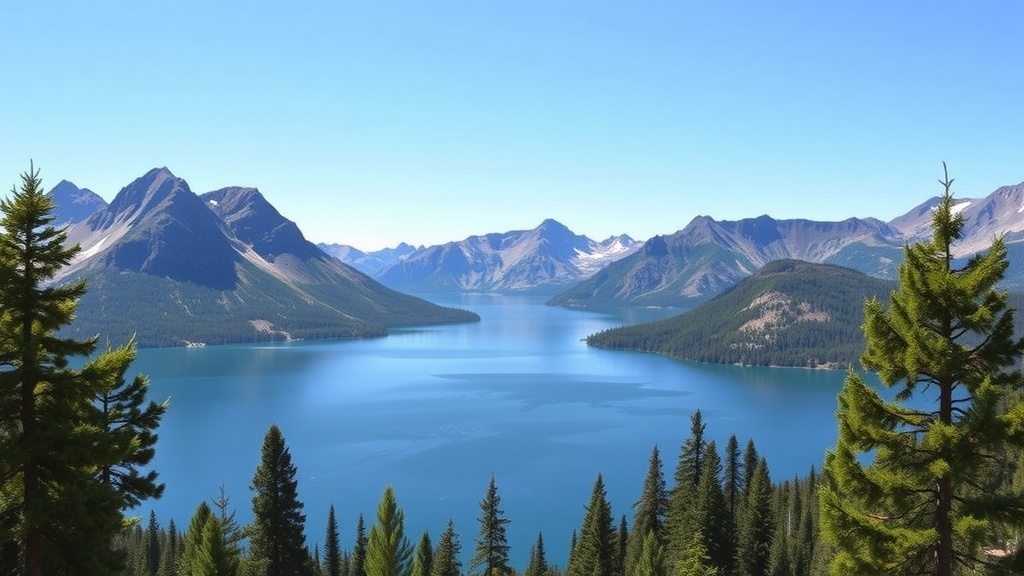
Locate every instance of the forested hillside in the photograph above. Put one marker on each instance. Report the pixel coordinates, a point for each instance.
(788, 313)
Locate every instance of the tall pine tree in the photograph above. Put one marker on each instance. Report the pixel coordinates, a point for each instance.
(332, 546)
(446, 557)
(925, 503)
(277, 543)
(594, 553)
(649, 511)
(491, 551)
(388, 551)
(57, 514)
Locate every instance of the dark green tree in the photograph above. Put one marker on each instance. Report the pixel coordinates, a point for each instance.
(170, 552)
(423, 559)
(753, 555)
(927, 501)
(708, 518)
(683, 494)
(595, 549)
(491, 545)
(332, 546)
(538, 565)
(446, 557)
(621, 542)
(276, 539)
(732, 483)
(232, 532)
(648, 512)
(358, 564)
(750, 460)
(152, 544)
(57, 516)
(388, 551)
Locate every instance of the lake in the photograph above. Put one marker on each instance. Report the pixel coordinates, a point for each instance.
(436, 411)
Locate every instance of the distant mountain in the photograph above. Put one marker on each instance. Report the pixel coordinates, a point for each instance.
(373, 263)
(176, 268)
(788, 313)
(546, 258)
(708, 256)
(74, 204)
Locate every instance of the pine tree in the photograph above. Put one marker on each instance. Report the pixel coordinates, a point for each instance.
(276, 539)
(332, 546)
(651, 560)
(170, 551)
(491, 550)
(649, 511)
(214, 558)
(56, 514)
(732, 484)
(595, 549)
(423, 559)
(388, 552)
(750, 460)
(753, 556)
(358, 565)
(684, 492)
(708, 519)
(446, 557)
(194, 545)
(232, 533)
(538, 565)
(926, 503)
(152, 544)
(621, 541)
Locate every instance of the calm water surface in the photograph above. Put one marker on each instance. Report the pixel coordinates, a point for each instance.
(436, 411)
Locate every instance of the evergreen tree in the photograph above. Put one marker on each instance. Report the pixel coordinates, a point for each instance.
(332, 546)
(621, 541)
(695, 561)
(651, 560)
(446, 558)
(927, 502)
(423, 560)
(750, 460)
(170, 551)
(232, 533)
(193, 547)
(733, 481)
(684, 492)
(388, 552)
(538, 565)
(708, 519)
(753, 556)
(214, 558)
(358, 565)
(595, 549)
(276, 539)
(152, 544)
(649, 511)
(491, 551)
(56, 514)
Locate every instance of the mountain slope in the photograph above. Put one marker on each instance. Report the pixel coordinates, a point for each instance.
(73, 204)
(373, 264)
(788, 313)
(175, 268)
(708, 256)
(548, 257)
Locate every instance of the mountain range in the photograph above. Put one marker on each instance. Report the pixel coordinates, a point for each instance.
(172, 267)
(707, 256)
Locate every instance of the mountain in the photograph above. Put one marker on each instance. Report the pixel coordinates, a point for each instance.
(548, 257)
(369, 263)
(73, 204)
(788, 313)
(708, 256)
(174, 268)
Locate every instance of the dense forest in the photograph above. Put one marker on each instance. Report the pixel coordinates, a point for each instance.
(788, 313)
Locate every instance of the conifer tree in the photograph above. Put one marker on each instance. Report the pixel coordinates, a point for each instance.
(423, 559)
(232, 533)
(214, 558)
(651, 560)
(57, 515)
(538, 565)
(332, 546)
(926, 503)
(491, 551)
(621, 541)
(708, 519)
(750, 460)
(594, 553)
(446, 557)
(276, 538)
(194, 546)
(170, 551)
(649, 511)
(753, 556)
(684, 492)
(732, 483)
(388, 551)
(152, 544)
(358, 564)
(695, 561)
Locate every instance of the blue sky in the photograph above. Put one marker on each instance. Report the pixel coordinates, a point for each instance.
(371, 123)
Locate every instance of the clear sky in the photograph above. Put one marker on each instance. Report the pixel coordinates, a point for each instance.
(374, 122)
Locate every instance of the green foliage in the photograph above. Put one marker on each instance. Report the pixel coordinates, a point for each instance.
(332, 546)
(423, 559)
(358, 564)
(929, 500)
(595, 548)
(538, 565)
(789, 313)
(649, 512)
(758, 525)
(388, 552)
(68, 469)
(276, 539)
(491, 551)
(446, 558)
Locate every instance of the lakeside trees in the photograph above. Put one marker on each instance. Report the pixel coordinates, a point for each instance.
(934, 497)
(72, 441)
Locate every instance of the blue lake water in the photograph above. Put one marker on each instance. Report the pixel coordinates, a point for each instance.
(436, 411)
